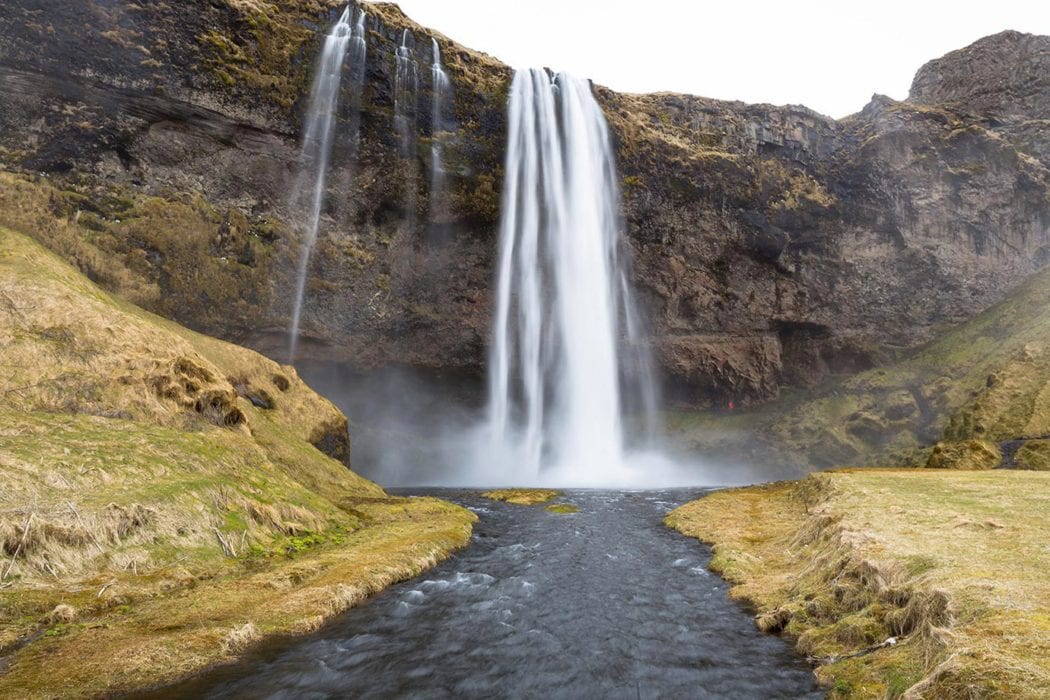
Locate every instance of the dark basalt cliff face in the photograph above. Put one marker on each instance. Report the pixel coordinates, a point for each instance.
(155, 145)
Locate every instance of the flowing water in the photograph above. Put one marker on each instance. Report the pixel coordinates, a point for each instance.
(559, 381)
(358, 70)
(406, 86)
(603, 603)
(438, 97)
(319, 121)
(406, 103)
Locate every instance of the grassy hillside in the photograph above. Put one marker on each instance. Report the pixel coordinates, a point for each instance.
(166, 500)
(949, 565)
(986, 380)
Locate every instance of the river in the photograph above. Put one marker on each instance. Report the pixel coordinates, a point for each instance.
(603, 603)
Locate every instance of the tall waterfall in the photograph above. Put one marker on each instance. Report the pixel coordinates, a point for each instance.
(319, 120)
(438, 96)
(558, 380)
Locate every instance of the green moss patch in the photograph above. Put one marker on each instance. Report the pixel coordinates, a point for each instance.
(522, 497)
(986, 380)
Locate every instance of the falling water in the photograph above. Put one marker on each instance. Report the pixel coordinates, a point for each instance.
(438, 97)
(406, 85)
(558, 380)
(317, 146)
(358, 66)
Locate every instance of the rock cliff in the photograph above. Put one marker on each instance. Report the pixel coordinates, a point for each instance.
(155, 146)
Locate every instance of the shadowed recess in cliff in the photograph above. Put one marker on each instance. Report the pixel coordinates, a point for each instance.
(308, 193)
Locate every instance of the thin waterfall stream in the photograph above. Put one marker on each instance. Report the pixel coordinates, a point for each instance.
(438, 99)
(308, 192)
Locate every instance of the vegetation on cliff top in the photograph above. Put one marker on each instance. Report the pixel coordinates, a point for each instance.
(950, 565)
(164, 504)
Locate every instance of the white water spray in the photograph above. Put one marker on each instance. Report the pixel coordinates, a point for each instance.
(558, 381)
(319, 121)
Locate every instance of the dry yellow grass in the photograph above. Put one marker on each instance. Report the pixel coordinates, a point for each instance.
(522, 497)
(950, 564)
(175, 623)
(163, 504)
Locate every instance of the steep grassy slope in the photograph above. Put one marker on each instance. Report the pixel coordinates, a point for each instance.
(165, 498)
(950, 565)
(986, 380)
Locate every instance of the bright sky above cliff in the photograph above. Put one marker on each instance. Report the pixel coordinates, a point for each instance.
(830, 56)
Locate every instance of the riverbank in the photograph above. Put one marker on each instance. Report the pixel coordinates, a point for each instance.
(173, 623)
(170, 500)
(898, 583)
(602, 603)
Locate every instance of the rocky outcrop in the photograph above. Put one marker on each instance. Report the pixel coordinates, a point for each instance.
(1003, 76)
(1002, 81)
(772, 246)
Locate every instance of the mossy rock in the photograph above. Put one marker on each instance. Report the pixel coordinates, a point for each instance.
(562, 508)
(522, 497)
(1034, 455)
(967, 454)
(866, 426)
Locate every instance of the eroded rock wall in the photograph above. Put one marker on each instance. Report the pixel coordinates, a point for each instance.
(772, 246)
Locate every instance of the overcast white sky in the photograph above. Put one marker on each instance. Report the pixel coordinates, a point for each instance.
(830, 56)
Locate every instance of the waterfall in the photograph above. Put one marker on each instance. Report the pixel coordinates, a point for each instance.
(358, 69)
(438, 97)
(319, 121)
(558, 380)
(406, 85)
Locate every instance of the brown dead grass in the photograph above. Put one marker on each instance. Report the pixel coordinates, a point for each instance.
(154, 520)
(951, 564)
(207, 619)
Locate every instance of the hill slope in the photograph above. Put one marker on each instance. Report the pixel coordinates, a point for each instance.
(987, 380)
(166, 500)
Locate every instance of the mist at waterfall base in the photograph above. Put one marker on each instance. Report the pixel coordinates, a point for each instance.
(570, 394)
(416, 428)
(570, 398)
